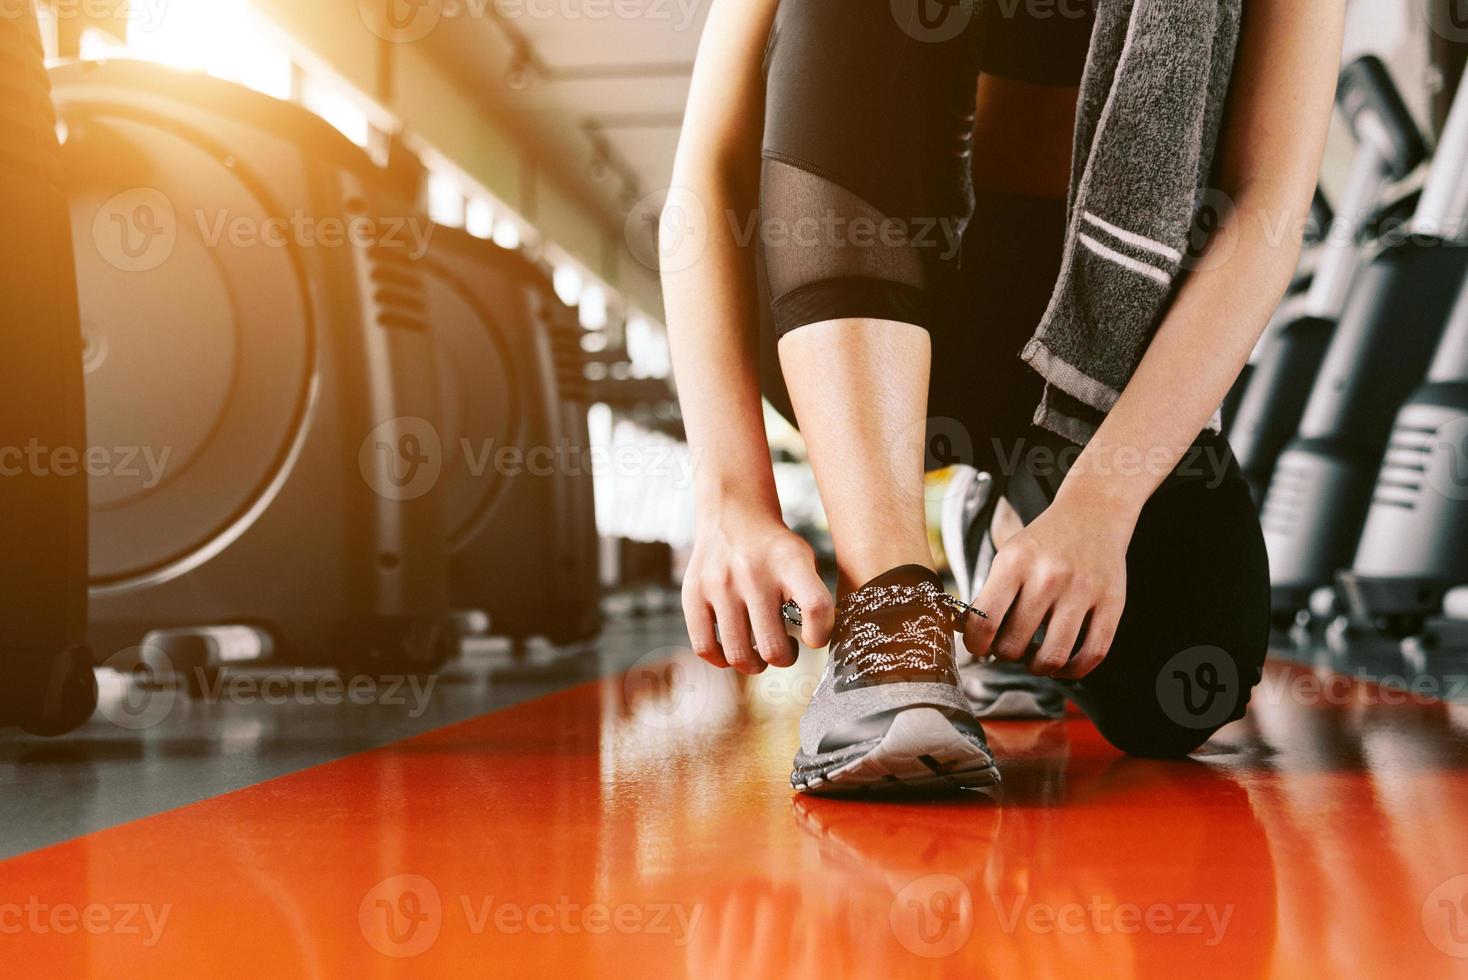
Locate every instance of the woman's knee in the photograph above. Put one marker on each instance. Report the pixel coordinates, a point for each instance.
(1171, 711)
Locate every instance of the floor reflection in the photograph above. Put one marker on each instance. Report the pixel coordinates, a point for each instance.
(642, 825)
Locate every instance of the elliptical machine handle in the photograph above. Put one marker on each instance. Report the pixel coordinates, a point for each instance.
(1389, 148)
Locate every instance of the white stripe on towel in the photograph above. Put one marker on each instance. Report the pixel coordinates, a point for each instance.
(1126, 261)
(1135, 240)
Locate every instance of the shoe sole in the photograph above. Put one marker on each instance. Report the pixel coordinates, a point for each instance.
(920, 751)
(1018, 705)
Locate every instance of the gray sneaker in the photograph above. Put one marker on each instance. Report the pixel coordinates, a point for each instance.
(1007, 691)
(888, 713)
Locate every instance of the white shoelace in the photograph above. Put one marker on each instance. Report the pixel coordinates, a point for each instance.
(922, 643)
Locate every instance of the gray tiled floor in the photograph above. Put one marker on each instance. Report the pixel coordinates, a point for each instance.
(147, 752)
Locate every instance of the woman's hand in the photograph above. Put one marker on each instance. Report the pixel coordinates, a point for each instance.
(1067, 571)
(746, 563)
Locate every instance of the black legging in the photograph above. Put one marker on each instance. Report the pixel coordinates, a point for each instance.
(868, 125)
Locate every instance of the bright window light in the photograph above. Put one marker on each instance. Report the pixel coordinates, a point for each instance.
(445, 199)
(647, 348)
(99, 45)
(222, 37)
(479, 218)
(338, 108)
(568, 283)
(593, 311)
(507, 233)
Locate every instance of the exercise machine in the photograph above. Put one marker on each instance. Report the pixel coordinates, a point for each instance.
(1414, 547)
(261, 384)
(1398, 309)
(49, 687)
(1388, 148)
(521, 521)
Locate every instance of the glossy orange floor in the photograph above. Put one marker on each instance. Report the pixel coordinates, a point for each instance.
(642, 827)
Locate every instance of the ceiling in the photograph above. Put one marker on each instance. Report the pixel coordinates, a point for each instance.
(599, 87)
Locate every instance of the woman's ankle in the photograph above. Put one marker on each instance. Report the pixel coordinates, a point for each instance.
(855, 570)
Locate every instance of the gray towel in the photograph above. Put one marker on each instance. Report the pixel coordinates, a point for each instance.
(1151, 101)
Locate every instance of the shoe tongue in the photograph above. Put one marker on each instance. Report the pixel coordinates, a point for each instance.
(906, 575)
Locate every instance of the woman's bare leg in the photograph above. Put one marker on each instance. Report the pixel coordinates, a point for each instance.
(860, 392)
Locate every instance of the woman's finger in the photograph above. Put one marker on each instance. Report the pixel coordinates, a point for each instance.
(701, 635)
(775, 646)
(994, 600)
(1060, 639)
(735, 638)
(817, 612)
(1100, 632)
(1021, 623)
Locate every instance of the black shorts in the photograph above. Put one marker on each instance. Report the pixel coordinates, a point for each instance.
(869, 116)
